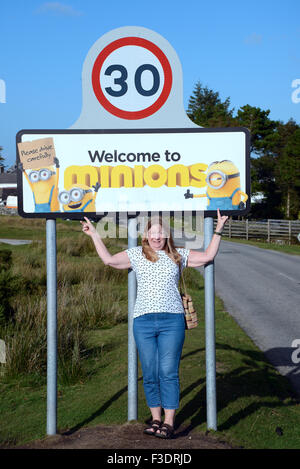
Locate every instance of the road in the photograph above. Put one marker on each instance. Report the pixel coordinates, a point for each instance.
(261, 290)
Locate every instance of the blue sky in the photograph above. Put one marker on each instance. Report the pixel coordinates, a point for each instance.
(246, 51)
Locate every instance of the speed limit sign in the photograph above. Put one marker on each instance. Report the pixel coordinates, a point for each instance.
(132, 78)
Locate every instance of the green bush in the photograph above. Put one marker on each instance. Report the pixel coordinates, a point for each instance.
(8, 286)
(5, 259)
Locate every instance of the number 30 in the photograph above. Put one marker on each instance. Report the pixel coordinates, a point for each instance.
(121, 80)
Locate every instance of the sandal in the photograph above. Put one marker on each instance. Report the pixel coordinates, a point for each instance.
(166, 432)
(154, 426)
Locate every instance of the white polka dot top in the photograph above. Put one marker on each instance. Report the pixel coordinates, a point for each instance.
(157, 282)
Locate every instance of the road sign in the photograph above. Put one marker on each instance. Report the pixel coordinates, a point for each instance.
(132, 78)
(148, 155)
(136, 170)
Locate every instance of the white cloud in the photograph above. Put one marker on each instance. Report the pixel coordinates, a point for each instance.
(253, 38)
(58, 8)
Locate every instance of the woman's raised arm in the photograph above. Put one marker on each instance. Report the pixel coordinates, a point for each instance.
(118, 261)
(197, 259)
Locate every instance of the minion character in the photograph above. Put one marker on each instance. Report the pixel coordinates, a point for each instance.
(223, 187)
(79, 198)
(44, 185)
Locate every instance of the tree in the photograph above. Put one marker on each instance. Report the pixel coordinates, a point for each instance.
(274, 148)
(260, 126)
(287, 173)
(274, 172)
(263, 180)
(1, 157)
(206, 109)
(283, 167)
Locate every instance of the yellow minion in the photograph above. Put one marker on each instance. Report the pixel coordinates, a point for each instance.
(79, 198)
(223, 187)
(44, 185)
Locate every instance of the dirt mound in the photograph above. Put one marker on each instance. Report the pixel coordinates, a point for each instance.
(127, 436)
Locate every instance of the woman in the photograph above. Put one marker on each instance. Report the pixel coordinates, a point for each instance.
(159, 326)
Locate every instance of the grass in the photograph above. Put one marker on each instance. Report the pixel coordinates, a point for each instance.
(90, 295)
(16, 227)
(253, 400)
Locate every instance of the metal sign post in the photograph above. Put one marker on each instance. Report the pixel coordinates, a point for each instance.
(51, 327)
(132, 350)
(209, 279)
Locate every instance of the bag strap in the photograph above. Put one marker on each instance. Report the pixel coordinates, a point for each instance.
(182, 278)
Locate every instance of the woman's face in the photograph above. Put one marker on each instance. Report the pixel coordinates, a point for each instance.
(156, 238)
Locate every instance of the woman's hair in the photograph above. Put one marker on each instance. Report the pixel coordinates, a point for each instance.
(169, 247)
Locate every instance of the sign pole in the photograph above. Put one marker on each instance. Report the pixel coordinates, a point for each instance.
(132, 351)
(211, 407)
(51, 327)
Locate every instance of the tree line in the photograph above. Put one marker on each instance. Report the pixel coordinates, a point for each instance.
(275, 151)
(1, 157)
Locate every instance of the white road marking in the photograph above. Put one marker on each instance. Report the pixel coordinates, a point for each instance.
(287, 276)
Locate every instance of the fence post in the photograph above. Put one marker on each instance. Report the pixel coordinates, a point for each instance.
(230, 220)
(247, 230)
(290, 231)
(269, 233)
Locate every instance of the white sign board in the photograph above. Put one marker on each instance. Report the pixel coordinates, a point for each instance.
(141, 170)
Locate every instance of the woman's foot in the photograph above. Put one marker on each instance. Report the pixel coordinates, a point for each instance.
(165, 431)
(154, 426)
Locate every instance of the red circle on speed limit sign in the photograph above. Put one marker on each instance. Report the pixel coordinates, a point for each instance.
(110, 96)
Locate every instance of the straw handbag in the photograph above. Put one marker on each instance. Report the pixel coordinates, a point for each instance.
(190, 314)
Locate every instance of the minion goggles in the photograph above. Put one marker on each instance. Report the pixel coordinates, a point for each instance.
(74, 195)
(41, 175)
(222, 176)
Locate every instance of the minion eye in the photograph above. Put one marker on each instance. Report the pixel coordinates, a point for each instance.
(44, 174)
(64, 197)
(76, 195)
(34, 176)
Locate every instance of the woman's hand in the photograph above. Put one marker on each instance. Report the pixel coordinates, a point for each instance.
(221, 222)
(87, 227)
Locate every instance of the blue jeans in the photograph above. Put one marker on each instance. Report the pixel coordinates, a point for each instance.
(159, 339)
